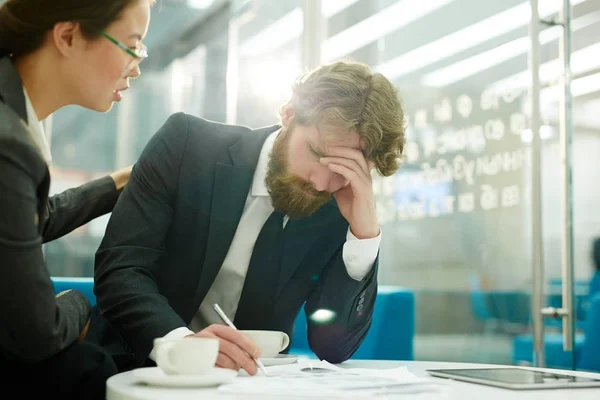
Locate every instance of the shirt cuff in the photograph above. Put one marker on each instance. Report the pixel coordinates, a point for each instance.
(177, 333)
(359, 254)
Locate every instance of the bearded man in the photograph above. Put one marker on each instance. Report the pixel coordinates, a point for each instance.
(260, 222)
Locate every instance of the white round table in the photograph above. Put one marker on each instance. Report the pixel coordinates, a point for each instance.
(124, 387)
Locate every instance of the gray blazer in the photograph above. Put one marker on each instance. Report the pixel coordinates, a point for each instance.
(34, 325)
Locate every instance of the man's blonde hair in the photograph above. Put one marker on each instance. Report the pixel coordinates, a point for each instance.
(348, 95)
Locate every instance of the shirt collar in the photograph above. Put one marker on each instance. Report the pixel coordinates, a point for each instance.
(37, 130)
(259, 188)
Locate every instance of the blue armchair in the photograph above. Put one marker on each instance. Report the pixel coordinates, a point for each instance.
(84, 285)
(587, 344)
(390, 336)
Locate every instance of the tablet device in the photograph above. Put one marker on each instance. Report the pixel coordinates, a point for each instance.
(516, 378)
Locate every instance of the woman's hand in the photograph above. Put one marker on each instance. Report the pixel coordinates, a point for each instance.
(121, 177)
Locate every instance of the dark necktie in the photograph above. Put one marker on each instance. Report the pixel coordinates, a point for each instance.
(256, 302)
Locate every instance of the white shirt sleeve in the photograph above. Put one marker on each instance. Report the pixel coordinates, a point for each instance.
(177, 333)
(359, 254)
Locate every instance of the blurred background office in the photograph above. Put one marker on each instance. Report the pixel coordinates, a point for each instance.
(457, 217)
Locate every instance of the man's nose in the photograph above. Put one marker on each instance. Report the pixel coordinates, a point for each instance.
(319, 182)
(327, 180)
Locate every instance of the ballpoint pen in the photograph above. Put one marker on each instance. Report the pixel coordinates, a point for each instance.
(231, 325)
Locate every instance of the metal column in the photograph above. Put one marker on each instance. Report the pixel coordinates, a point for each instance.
(313, 33)
(566, 136)
(537, 297)
(567, 311)
(233, 65)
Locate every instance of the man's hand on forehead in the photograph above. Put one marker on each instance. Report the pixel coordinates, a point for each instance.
(349, 138)
(336, 154)
(355, 201)
(357, 155)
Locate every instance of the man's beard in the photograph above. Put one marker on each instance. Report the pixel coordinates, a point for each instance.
(290, 194)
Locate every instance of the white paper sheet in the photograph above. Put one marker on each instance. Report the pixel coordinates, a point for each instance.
(313, 378)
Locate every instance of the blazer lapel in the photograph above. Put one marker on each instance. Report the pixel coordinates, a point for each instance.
(11, 94)
(299, 237)
(231, 186)
(11, 88)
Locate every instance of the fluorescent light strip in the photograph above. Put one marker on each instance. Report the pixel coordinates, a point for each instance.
(466, 38)
(283, 30)
(287, 28)
(199, 4)
(332, 7)
(470, 66)
(377, 25)
(579, 87)
(582, 60)
(473, 65)
(587, 84)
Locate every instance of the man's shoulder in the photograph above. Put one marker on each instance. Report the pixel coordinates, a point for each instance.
(208, 138)
(204, 129)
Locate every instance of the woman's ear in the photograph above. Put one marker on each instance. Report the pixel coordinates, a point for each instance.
(65, 36)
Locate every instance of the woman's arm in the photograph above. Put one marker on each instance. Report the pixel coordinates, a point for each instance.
(75, 207)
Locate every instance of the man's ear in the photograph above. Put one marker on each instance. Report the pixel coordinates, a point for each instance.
(287, 114)
(65, 36)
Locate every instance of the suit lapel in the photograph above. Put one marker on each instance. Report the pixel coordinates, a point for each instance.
(231, 188)
(11, 93)
(11, 88)
(231, 185)
(299, 236)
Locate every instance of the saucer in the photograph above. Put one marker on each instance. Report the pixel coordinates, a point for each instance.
(280, 359)
(155, 376)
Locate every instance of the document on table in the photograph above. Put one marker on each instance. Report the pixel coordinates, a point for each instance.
(313, 378)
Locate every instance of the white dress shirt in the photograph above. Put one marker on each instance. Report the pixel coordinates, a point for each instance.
(226, 290)
(37, 130)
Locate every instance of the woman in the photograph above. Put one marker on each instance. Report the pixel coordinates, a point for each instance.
(52, 54)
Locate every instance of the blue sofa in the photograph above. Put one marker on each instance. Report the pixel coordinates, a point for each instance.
(390, 336)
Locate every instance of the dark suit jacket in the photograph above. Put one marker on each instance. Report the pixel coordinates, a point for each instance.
(34, 325)
(170, 232)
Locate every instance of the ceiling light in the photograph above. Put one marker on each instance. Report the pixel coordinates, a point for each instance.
(466, 38)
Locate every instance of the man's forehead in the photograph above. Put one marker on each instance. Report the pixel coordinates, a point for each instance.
(339, 138)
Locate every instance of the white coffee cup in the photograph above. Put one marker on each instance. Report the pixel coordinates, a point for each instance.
(186, 356)
(269, 342)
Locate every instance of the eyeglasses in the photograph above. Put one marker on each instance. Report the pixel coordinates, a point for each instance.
(139, 54)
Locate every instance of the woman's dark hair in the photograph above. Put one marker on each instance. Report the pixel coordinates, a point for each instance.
(24, 23)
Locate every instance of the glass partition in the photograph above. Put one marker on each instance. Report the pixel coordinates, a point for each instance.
(457, 216)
